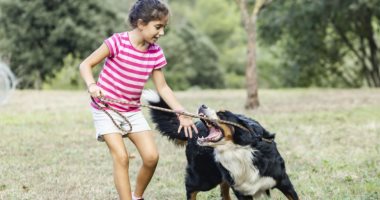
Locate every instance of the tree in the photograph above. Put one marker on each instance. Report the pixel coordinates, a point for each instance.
(38, 35)
(326, 43)
(193, 59)
(249, 21)
(219, 20)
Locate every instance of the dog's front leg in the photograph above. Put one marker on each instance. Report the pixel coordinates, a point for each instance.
(191, 195)
(225, 191)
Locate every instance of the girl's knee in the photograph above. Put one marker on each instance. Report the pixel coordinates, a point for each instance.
(151, 160)
(121, 159)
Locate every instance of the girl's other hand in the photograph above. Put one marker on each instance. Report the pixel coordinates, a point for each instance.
(95, 90)
(187, 124)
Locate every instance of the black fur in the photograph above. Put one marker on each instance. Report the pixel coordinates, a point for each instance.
(203, 173)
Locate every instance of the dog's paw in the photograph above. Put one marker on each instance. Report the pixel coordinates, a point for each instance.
(150, 96)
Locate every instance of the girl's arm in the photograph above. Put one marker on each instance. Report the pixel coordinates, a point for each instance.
(167, 94)
(86, 69)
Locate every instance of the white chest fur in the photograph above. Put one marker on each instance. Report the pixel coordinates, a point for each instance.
(238, 160)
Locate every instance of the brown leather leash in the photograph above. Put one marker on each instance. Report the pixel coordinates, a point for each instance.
(104, 101)
(104, 108)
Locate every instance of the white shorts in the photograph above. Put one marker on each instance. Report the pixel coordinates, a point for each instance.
(104, 125)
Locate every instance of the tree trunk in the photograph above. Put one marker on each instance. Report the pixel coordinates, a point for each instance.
(373, 50)
(250, 70)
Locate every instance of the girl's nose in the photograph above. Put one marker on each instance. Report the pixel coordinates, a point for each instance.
(162, 32)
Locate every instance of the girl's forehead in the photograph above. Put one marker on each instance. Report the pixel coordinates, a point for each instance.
(163, 21)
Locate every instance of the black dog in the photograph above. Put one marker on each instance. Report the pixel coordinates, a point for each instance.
(243, 157)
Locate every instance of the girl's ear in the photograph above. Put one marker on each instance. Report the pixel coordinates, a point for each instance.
(140, 24)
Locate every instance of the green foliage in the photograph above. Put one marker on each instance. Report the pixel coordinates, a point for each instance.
(37, 35)
(68, 77)
(300, 43)
(270, 71)
(192, 58)
(325, 43)
(220, 21)
(234, 81)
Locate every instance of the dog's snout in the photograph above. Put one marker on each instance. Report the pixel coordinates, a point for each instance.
(203, 106)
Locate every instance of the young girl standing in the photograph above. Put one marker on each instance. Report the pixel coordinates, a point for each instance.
(131, 58)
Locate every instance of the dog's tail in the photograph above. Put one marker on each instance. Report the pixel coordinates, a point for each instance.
(166, 123)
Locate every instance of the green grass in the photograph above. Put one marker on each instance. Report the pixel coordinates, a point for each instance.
(330, 140)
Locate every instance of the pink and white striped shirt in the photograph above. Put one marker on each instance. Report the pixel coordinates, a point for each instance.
(126, 70)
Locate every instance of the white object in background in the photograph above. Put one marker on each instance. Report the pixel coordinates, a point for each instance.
(8, 82)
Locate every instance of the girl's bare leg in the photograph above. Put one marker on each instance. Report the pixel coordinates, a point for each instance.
(145, 144)
(120, 158)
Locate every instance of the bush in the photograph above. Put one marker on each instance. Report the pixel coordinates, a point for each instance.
(68, 77)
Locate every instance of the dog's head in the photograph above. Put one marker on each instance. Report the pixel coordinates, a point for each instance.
(221, 133)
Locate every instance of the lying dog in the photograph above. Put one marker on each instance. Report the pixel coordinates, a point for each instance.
(243, 157)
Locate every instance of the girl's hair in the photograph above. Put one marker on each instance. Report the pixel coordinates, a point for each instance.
(147, 10)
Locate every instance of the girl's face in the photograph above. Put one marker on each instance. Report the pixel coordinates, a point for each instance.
(153, 30)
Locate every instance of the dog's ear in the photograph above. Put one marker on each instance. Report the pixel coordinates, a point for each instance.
(243, 136)
(269, 135)
(247, 126)
(255, 127)
(246, 135)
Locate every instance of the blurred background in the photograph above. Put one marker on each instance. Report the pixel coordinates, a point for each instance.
(302, 43)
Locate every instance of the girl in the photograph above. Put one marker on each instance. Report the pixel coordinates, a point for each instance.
(131, 58)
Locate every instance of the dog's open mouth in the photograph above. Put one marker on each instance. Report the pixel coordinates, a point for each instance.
(215, 132)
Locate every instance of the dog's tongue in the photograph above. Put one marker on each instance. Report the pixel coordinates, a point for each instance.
(212, 136)
(214, 133)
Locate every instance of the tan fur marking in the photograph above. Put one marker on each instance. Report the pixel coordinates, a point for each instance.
(227, 132)
(180, 142)
(225, 191)
(289, 197)
(193, 196)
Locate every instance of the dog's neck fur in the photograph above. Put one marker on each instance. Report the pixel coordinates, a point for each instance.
(238, 160)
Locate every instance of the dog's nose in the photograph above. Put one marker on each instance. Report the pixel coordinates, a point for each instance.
(203, 106)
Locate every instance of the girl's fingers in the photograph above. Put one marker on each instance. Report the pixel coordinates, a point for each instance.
(179, 129)
(186, 133)
(195, 128)
(97, 93)
(188, 127)
(189, 131)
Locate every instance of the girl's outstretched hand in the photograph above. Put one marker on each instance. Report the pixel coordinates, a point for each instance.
(187, 124)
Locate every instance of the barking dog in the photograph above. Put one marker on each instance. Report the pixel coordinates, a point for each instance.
(247, 160)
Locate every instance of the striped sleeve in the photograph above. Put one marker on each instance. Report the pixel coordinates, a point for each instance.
(113, 44)
(161, 60)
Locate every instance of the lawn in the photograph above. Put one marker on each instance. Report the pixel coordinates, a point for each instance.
(329, 138)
